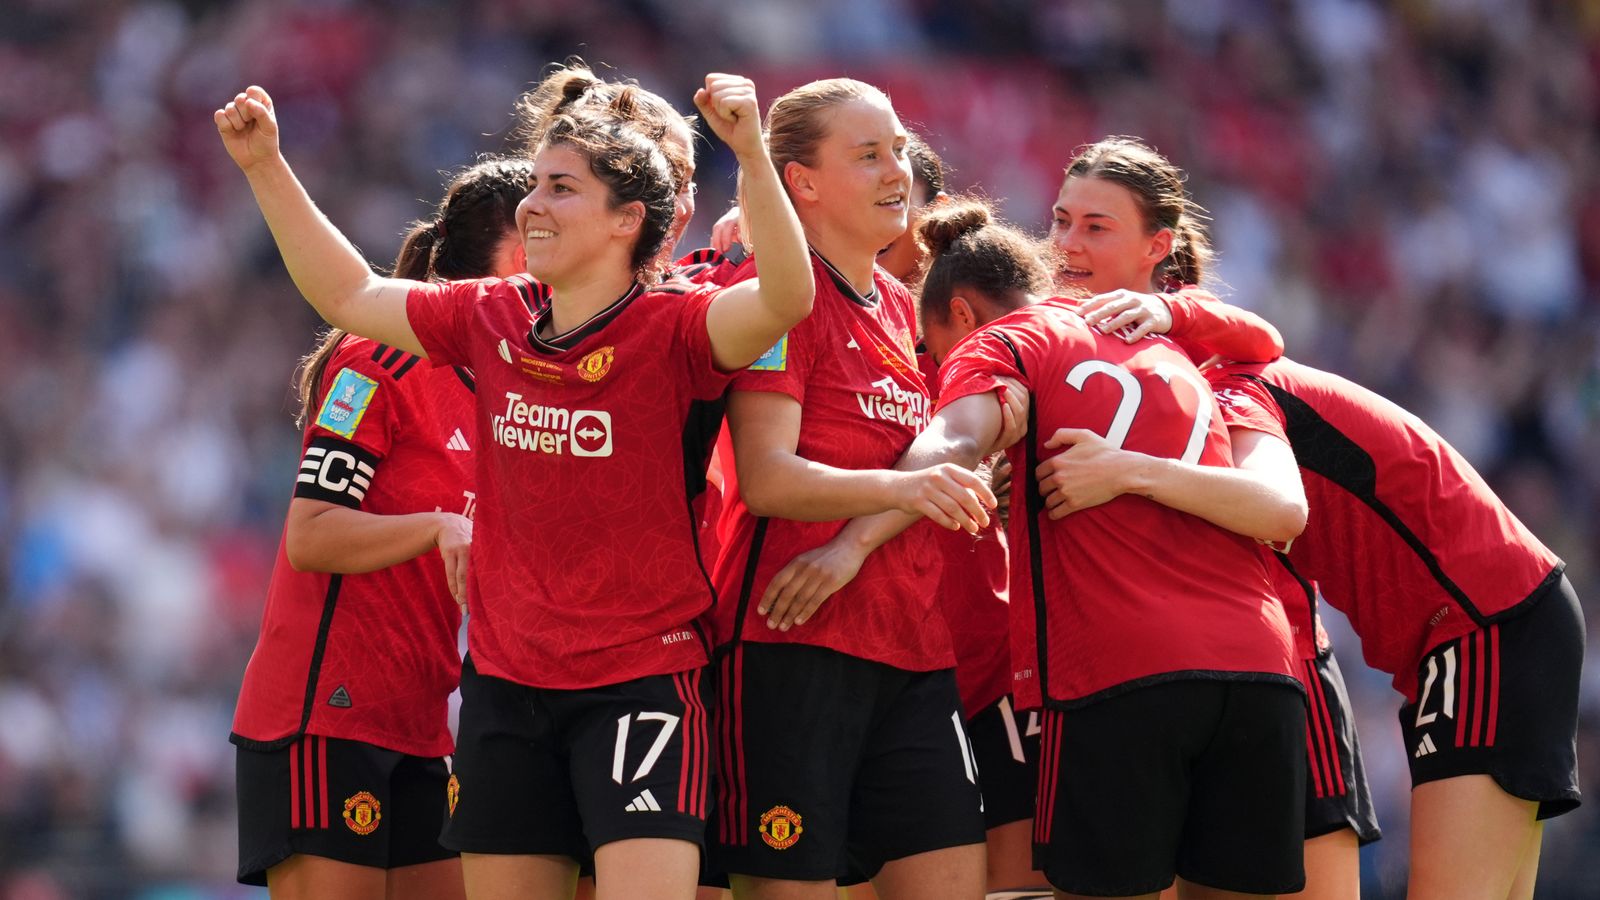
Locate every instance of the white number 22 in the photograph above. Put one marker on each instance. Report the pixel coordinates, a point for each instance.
(1133, 395)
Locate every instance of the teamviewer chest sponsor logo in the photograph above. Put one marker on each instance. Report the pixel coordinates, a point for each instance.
(892, 403)
(555, 430)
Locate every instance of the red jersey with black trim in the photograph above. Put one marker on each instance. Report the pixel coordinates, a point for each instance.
(1404, 535)
(708, 266)
(1129, 592)
(369, 657)
(974, 596)
(1299, 598)
(852, 366)
(585, 569)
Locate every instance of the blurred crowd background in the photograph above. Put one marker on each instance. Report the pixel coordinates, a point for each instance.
(1409, 190)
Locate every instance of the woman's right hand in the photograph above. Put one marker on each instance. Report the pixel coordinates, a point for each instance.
(948, 494)
(249, 128)
(454, 540)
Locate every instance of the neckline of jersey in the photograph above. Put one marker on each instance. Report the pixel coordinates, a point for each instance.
(563, 342)
(844, 285)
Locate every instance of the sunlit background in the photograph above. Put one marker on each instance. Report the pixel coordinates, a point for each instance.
(1409, 190)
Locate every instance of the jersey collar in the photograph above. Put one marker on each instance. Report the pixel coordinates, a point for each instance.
(563, 342)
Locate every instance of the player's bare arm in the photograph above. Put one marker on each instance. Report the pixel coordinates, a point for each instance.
(962, 434)
(1262, 498)
(748, 318)
(776, 481)
(329, 271)
(326, 537)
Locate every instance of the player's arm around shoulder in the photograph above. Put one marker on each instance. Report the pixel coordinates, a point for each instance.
(745, 320)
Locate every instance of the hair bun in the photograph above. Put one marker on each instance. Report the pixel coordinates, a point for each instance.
(570, 84)
(944, 224)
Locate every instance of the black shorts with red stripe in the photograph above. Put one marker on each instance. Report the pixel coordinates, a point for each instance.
(563, 772)
(1503, 701)
(1337, 795)
(831, 765)
(344, 800)
(1005, 746)
(1199, 779)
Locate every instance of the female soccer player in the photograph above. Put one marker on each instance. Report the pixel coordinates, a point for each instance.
(583, 718)
(842, 745)
(573, 85)
(1449, 593)
(341, 723)
(1124, 226)
(1173, 723)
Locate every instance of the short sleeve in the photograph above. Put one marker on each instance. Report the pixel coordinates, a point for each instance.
(441, 314)
(786, 367)
(976, 365)
(358, 398)
(1246, 403)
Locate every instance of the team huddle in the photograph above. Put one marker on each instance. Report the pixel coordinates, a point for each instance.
(881, 545)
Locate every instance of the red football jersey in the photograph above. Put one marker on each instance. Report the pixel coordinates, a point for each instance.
(973, 594)
(1299, 598)
(1204, 326)
(1405, 537)
(585, 570)
(369, 657)
(1129, 592)
(852, 366)
(707, 266)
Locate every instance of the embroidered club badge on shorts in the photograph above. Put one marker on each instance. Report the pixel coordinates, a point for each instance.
(452, 792)
(775, 359)
(780, 827)
(595, 366)
(346, 403)
(362, 813)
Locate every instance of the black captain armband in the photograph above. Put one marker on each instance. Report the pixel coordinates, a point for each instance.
(335, 471)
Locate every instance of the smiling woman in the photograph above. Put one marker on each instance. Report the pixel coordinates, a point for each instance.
(901, 802)
(601, 387)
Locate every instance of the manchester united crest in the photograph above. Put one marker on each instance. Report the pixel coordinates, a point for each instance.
(362, 813)
(780, 827)
(595, 366)
(452, 793)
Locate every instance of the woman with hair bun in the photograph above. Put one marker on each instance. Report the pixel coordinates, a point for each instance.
(583, 721)
(1173, 724)
(384, 482)
(573, 85)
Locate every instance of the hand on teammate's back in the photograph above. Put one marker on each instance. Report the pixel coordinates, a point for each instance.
(1130, 314)
(1082, 476)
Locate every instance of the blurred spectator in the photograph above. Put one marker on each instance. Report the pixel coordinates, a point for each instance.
(1411, 191)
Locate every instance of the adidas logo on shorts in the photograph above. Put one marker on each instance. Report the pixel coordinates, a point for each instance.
(645, 802)
(1424, 747)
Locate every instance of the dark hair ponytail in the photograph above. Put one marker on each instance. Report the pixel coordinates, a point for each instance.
(415, 259)
(475, 218)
